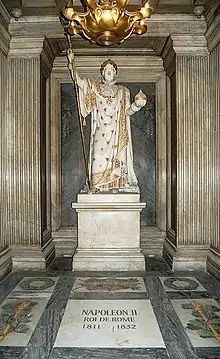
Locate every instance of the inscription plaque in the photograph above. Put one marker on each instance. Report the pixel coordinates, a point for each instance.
(109, 323)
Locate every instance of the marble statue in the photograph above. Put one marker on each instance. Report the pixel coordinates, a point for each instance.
(110, 155)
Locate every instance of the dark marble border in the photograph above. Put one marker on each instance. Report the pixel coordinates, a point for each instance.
(188, 295)
(213, 268)
(107, 353)
(7, 352)
(8, 284)
(208, 353)
(44, 335)
(176, 340)
(109, 296)
(211, 284)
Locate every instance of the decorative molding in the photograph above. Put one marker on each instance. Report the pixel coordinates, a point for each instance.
(191, 45)
(29, 48)
(26, 47)
(159, 25)
(141, 68)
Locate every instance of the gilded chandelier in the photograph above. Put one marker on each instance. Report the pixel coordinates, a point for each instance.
(105, 22)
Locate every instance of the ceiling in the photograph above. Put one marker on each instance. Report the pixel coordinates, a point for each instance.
(43, 7)
(145, 45)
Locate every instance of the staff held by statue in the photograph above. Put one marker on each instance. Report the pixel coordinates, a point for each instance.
(72, 68)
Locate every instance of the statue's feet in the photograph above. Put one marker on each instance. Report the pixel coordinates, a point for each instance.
(130, 189)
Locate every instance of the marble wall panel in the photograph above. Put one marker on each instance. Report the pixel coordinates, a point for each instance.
(143, 128)
(43, 154)
(215, 146)
(173, 190)
(3, 172)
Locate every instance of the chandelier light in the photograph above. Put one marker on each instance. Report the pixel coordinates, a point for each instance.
(105, 22)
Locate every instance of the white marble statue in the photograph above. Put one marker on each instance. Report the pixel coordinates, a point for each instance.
(110, 156)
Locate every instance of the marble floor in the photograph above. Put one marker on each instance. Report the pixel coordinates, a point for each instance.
(155, 314)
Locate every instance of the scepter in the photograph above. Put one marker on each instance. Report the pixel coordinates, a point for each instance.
(80, 118)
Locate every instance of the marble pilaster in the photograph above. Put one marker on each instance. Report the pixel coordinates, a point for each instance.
(213, 41)
(30, 62)
(5, 262)
(189, 247)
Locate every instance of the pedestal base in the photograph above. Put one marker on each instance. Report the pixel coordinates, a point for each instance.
(108, 233)
(94, 260)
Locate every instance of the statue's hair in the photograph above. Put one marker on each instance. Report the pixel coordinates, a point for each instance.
(105, 63)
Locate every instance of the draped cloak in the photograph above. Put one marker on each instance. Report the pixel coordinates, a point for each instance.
(110, 154)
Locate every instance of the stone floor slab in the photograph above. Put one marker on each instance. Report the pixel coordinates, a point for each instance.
(109, 324)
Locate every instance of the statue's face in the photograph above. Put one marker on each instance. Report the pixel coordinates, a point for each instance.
(109, 73)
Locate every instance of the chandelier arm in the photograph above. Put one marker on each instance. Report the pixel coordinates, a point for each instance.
(74, 79)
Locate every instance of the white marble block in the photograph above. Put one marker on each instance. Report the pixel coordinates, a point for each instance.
(108, 232)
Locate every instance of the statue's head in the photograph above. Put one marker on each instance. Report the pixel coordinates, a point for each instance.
(109, 70)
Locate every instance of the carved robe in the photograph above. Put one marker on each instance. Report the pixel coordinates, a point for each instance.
(110, 155)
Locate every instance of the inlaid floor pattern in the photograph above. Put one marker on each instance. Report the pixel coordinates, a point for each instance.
(153, 315)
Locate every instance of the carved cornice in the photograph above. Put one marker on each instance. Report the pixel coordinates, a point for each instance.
(26, 47)
(192, 45)
(140, 68)
(159, 25)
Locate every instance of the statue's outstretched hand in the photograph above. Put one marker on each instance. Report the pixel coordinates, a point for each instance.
(140, 102)
(140, 99)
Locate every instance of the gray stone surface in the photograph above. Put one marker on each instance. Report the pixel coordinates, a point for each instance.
(178, 346)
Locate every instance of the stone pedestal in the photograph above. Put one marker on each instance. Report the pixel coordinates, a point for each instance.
(108, 232)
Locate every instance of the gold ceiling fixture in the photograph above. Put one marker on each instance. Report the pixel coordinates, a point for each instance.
(105, 22)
